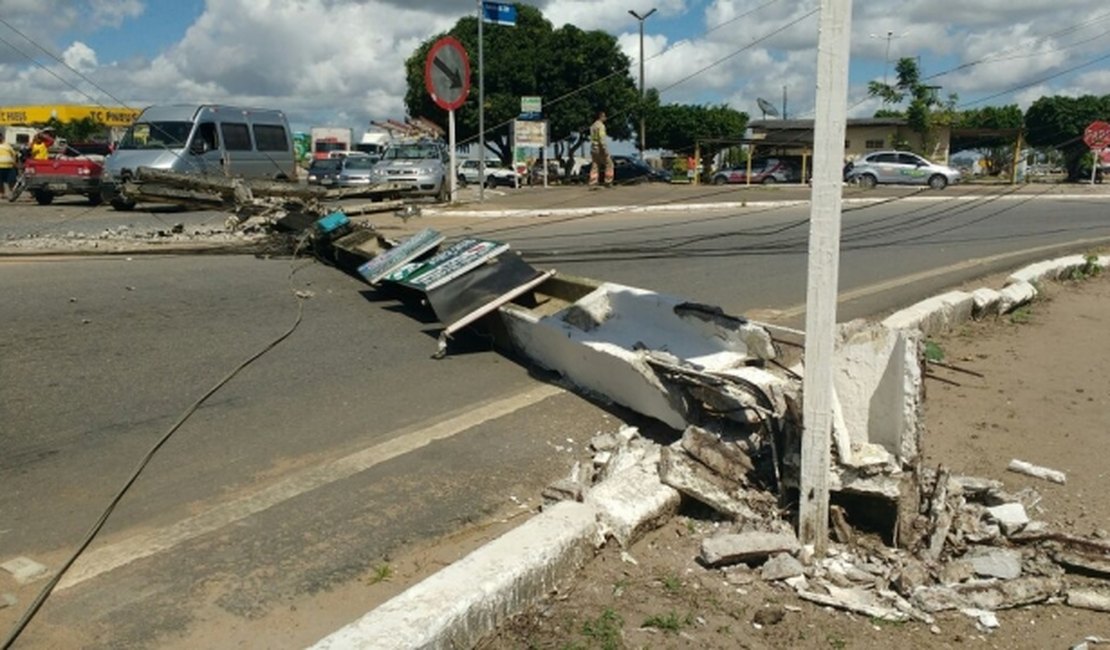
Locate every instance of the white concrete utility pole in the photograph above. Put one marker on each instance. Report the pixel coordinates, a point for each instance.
(643, 139)
(833, 44)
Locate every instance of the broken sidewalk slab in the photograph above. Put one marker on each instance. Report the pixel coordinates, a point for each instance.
(731, 548)
(934, 315)
(1015, 295)
(702, 484)
(375, 270)
(631, 500)
(25, 570)
(879, 385)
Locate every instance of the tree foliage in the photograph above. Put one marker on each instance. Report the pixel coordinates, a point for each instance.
(577, 73)
(996, 148)
(925, 110)
(1060, 121)
(679, 127)
(84, 129)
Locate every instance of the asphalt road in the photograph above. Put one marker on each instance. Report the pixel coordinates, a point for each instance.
(346, 444)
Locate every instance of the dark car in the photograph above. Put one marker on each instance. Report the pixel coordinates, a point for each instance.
(765, 171)
(324, 171)
(628, 170)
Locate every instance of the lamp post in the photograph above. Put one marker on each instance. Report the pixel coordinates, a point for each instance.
(886, 57)
(640, 18)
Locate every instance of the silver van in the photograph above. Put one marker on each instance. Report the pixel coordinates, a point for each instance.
(207, 139)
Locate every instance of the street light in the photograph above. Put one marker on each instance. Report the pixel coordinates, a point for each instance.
(640, 18)
(886, 57)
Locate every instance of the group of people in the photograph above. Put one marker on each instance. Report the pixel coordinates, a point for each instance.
(10, 159)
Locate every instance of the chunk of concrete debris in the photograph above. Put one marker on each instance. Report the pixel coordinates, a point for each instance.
(697, 481)
(990, 562)
(7, 600)
(990, 595)
(563, 490)
(1037, 471)
(854, 600)
(1010, 516)
(1089, 599)
(24, 569)
(724, 458)
(986, 620)
(780, 567)
(730, 548)
(605, 442)
(955, 572)
(1087, 563)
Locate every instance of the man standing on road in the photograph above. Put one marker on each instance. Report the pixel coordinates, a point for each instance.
(599, 152)
(7, 166)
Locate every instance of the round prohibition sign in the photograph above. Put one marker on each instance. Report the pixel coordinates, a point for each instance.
(1097, 135)
(447, 73)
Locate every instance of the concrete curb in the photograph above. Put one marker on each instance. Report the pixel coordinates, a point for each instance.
(461, 604)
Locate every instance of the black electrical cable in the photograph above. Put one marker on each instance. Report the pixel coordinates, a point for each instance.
(48, 588)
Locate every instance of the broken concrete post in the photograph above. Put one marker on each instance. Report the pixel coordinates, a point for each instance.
(940, 516)
(724, 458)
(697, 481)
(730, 548)
(1036, 471)
(856, 601)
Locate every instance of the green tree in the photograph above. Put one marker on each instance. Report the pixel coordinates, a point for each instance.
(679, 127)
(1060, 121)
(924, 110)
(577, 73)
(996, 148)
(84, 129)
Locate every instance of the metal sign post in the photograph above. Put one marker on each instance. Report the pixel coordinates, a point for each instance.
(447, 78)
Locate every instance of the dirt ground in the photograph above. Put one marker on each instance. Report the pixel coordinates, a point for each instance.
(1044, 398)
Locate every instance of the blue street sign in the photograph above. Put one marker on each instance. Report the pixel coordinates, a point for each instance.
(499, 13)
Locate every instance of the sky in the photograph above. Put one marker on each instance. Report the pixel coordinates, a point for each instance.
(341, 62)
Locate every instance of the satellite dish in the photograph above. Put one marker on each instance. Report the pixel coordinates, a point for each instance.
(767, 107)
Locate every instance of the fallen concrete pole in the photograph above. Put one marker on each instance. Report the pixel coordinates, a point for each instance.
(1036, 471)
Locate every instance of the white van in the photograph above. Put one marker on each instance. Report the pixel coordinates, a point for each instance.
(207, 139)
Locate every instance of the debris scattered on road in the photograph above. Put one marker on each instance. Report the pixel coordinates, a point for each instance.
(24, 569)
(1036, 471)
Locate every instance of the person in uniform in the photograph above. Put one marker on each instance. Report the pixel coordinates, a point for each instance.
(8, 161)
(599, 152)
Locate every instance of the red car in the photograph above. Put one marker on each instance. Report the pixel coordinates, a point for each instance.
(77, 171)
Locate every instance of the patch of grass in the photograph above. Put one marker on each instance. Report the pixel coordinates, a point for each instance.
(669, 622)
(724, 630)
(1022, 315)
(605, 630)
(619, 586)
(671, 583)
(933, 351)
(382, 573)
(885, 623)
(836, 642)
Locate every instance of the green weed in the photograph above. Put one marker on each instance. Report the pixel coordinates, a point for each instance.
(933, 351)
(1021, 315)
(605, 630)
(669, 622)
(671, 583)
(382, 573)
(836, 642)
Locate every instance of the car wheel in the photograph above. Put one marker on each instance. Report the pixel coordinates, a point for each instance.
(95, 198)
(123, 205)
(938, 182)
(868, 181)
(768, 180)
(42, 197)
(719, 180)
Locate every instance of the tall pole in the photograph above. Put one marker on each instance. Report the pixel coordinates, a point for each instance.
(481, 108)
(833, 44)
(643, 138)
(886, 57)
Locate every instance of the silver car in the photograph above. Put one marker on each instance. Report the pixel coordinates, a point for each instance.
(900, 167)
(355, 171)
(419, 166)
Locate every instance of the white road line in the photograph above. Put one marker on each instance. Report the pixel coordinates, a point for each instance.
(104, 559)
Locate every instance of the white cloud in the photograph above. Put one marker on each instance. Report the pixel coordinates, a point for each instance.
(343, 60)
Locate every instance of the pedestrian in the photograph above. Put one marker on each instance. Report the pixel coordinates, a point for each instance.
(40, 150)
(8, 160)
(599, 152)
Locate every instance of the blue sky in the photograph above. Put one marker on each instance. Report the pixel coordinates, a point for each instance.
(341, 61)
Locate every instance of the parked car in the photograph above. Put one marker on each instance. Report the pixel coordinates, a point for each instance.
(76, 169)
(355, 171)
(628, 170)
(496, 173)
(420, 166)
(765, 171)
(324, 171)
(901, 167)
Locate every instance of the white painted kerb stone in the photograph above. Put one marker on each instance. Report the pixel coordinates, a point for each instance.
(934, 315)
(459, 605)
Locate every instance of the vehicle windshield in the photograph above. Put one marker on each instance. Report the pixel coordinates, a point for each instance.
(156, 135)
(412, 152)
(360, 162)
(324, 164)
